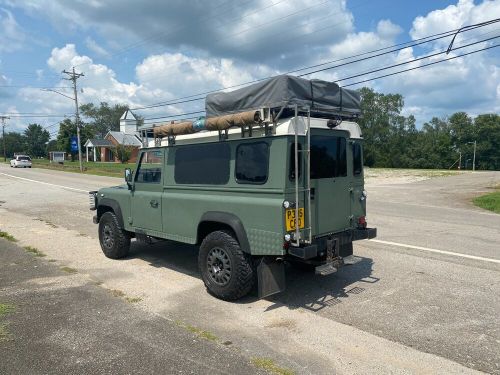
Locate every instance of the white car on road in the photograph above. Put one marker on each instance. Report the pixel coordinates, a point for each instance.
(21, 161)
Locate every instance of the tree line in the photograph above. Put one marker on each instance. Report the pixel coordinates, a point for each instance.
(95, 122)
(391, 139)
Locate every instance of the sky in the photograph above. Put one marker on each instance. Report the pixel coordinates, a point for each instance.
(149, 52)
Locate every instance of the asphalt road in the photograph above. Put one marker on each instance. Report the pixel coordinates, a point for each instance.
(424, 298)
(62, 323)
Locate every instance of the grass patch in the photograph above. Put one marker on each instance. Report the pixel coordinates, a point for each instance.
(490, 201)
(198, 332)
(133, 299)
(69, 269)
(6, 308)
(271, 367)
(7, 236)
(4, 333)
(98, 169)
(117, 293)
(34, 251)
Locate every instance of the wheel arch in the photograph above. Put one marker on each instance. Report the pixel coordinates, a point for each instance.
(110, 205)
(216, 220)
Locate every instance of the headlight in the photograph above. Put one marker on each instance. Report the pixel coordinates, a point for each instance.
(93, 200)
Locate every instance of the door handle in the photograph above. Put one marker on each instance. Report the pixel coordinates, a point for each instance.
(154, 203)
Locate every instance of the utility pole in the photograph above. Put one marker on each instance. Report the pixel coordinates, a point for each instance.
(73, 77)
(474, 158)
(3, 118)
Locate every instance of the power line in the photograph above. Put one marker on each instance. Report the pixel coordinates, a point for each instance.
(158, 35)
(407, 44)
(254, 41)
(390, 67)
(423, 66)
(36, 116)
(399, 64)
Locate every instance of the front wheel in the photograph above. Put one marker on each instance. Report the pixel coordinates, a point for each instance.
(225, 269)
(115, 242)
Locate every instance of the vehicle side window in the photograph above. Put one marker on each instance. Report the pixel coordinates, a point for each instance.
(204, 164)
(328, 157)
(150, 166)
(357, 160)
(291, 172)
(252, 163)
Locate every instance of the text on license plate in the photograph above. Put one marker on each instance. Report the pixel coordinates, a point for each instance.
(290, 219)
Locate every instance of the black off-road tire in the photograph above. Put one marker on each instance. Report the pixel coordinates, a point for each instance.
(115, 242)
(223, 246)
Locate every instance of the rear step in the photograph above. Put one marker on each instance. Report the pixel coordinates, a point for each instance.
(325, 269)
(351, 259)
(332, 267)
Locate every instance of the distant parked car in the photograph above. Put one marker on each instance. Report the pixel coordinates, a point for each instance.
(21, 161)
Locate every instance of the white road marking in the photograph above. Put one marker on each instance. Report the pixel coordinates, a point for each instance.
(438, 251)
(45, 183)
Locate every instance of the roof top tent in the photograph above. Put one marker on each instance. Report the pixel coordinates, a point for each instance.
(280, 105)
(283, 93)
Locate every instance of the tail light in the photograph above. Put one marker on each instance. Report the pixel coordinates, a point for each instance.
(362, 222)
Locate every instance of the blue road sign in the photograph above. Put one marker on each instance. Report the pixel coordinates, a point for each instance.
(74, 144)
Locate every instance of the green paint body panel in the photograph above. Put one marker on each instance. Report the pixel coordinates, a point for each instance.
(177, 216)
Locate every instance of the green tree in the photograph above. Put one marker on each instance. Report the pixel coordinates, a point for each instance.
(36, 139)
(14, 142)
(380, 113)
(67, 129)
(487, 136)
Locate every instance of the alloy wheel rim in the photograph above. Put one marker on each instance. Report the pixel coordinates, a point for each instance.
(107, 236)
(219, 266)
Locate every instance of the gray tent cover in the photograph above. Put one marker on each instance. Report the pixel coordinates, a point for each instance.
(320, 96)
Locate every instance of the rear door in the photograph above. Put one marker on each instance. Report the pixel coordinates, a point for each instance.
(148, 189)
(330, 183)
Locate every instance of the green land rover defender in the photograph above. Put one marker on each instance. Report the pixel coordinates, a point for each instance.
(273, 174)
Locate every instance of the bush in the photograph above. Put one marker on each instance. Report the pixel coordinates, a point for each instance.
(123, 153)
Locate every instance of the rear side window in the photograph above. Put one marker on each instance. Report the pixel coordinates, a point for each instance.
(27, 158)
(357, 160)
(328, 157)
(204, 164)
(150, 166)
(291, 172)
(252, 163)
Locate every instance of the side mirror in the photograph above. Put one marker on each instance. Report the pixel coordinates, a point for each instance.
(128, 178)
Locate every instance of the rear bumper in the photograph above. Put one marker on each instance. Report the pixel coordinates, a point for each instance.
(364, 234)
(344, 240)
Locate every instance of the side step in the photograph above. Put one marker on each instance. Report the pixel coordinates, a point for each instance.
(325, 269)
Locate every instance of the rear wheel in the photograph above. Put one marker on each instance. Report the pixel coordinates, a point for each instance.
(225, 269)
(115, 242)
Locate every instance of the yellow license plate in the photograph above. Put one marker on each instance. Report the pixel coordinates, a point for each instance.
(290, 219)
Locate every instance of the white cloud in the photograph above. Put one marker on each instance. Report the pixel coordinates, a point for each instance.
(11, 35)
(96, 48)
(464, 13)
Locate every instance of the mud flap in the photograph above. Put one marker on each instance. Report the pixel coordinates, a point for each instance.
(270, 277)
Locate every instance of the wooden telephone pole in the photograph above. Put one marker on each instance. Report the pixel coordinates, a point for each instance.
(3, 118)
(72, 76)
